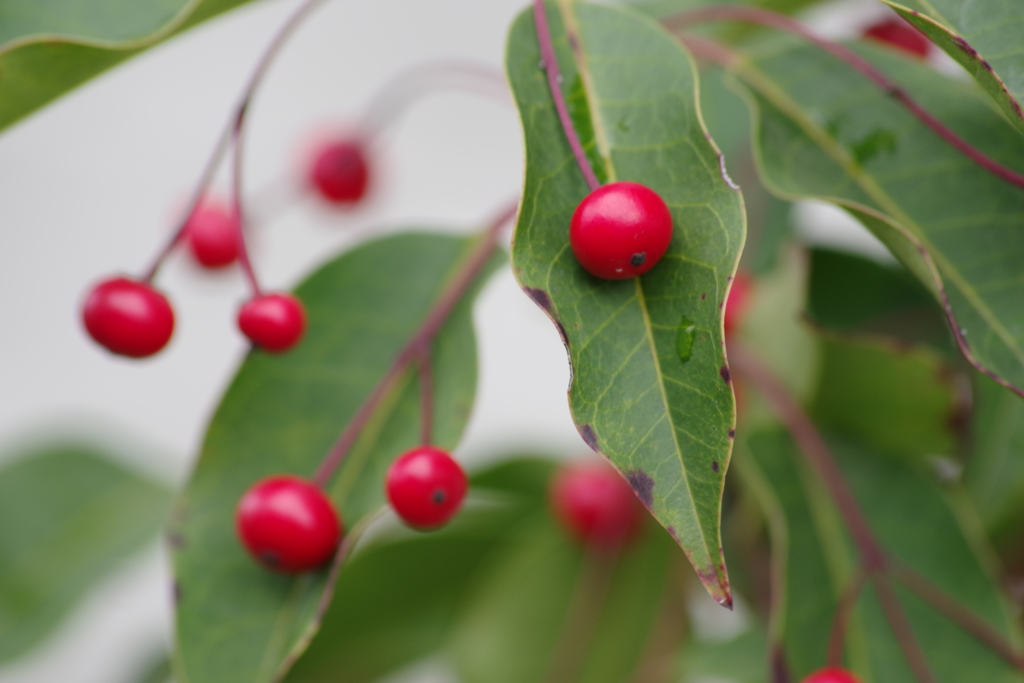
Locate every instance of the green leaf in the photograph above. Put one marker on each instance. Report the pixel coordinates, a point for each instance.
(893, 398)
(738, 660)
(850, 294)
(663, 422)
(68, 517)
(397, 600)
(985, 38)
(814, 561)
(48, 47)
(994, 474)
(545, 610)
(235, 620)
(953, 224)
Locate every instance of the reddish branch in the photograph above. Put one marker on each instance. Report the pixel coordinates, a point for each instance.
(783, 23)
(236, 174)
(549, 62)
(235, 123)
(841, 621)
(414, 350)
(426, 398)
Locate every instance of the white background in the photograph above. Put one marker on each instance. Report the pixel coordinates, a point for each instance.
(90, 186)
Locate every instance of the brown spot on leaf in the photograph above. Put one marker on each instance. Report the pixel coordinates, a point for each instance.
(714, 465)
(562, 334)
(541, 298)
(732, 433)
(703, 295)
(780, 672)
(672, 532)
(589, 436)
(726, 375)
(642, 485)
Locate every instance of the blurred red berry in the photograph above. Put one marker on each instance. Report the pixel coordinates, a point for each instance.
(128, 317)
(737, 301)
(425, 486)
(274, 322)
(832, 674)
(900, 34)
(340, 172)
(596, 505)
(213, 232)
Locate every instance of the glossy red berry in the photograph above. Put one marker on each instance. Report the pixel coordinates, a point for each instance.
(737, 301)
(274, 322)
(620, 230)
(340, 172)
(596, 505)
(288, 524)
(425, 486)
(832, 674)
(128, 317)
(212, 232)
(900, 34)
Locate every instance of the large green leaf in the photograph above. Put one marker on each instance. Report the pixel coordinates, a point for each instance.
(236, 621)
(895, 398)
(48, 47)
(397, 599)
(664, 422)
(547, 611)
(68, 517)
(825, 131)
(986, 38)
(814, 562)
(994, 474)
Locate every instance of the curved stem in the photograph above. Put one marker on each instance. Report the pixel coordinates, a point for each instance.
(413, 350)
(426, 398)
(781, 22)
(841, 621)
(236, 120)
(550, 64)
(240, 220)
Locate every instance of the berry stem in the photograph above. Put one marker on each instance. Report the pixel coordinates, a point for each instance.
(813, 446)
(844, 609)
(957, 613)
(413, 350)
(404, 89)
(229, 133)
(236, 176)
(549, 62)
(426, 378)
(763, 17)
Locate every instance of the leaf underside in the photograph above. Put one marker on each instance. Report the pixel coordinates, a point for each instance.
(664, 423)
(235, 620)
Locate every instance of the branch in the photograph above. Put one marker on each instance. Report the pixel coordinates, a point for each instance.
(426, 398)
(900, 626)
(783, 23)
(413, 350)
(235, 121)
(842, 618)
(240, 222)
(549, 62)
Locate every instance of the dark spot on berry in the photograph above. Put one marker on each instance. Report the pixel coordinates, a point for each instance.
(589, 436)
(726, 375)
(714, 465)
(638, 259)
(643, 485)
(269, 558)
(732, 433)
(438, 496)
(541, 298)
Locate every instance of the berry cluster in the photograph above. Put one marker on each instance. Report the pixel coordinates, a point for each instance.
(130, 317)
(289, 525)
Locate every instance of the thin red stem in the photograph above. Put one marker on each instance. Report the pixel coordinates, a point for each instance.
(901, 629)
(781, 22)
(240, 216)
(841, 621)
(236, 120)
(412, 351)
(957, 613)
(549, 61)
(426, 398)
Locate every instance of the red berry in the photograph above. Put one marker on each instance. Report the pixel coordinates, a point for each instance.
(425, 486)
(831, 674)
(596, 505)
(620, 230)
(288, 524)
(340, 172)
(900, 34)
(274, 322)
(737, 301)
(212, 232)
(130, 318)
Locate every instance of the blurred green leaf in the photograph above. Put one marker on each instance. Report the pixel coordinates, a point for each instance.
(664, 8)
(994, 474)
(814, 562)
(984, 37)
(68, 517)
(546, 611)
(663, 421)
(235, 620)
(848, 293)
(737, 660)
(921, 196)
(892, 398)
(48, 47)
